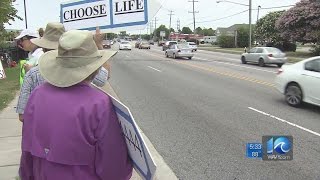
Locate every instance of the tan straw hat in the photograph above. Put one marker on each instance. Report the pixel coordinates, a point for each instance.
(50, 37)
(76, 59)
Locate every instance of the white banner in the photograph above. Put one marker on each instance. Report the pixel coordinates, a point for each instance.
(2, 73)
(109, 15)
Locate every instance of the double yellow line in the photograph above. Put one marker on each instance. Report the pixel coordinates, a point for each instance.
(224, 73)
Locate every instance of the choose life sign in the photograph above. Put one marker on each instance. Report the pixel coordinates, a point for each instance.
(139, 153)
(109, 15)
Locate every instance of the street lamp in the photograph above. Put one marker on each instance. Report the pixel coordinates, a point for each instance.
(250, 11)
(258, 12)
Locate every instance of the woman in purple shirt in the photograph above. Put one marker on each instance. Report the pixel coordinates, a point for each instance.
(70, 129)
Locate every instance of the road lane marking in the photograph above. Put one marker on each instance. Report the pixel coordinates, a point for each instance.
(285, 121)
(231, 64)
(154, 69)
(224, 73)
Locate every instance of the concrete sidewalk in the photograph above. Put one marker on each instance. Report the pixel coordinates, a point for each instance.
(10, 149)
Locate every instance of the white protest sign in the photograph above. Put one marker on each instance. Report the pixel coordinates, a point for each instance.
(138, 150)
(2, 73)
(109, 15)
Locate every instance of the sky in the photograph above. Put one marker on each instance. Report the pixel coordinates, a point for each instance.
(210, 13)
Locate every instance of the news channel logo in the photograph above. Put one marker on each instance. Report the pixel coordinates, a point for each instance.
(277, 148)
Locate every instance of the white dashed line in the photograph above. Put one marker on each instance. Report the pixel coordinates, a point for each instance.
(285, 121)
(154, 68)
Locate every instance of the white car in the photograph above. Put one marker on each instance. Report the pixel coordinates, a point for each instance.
(125, 45)
(300, 82)
(192, 46)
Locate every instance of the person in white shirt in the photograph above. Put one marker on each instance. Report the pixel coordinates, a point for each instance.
(24, 42)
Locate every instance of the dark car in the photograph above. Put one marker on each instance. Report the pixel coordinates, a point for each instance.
(151, 42)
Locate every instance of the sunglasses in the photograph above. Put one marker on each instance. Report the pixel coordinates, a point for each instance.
(20, 41)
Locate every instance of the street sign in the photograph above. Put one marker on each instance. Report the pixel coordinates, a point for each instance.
(162, 34)
(139, 153)
(2, 73)
(109, 15)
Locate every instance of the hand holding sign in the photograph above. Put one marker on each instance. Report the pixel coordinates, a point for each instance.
(98, 38)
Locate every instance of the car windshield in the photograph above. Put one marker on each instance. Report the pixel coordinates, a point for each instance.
(183, 46)
(192, 43)
(273, 50)
(124, 42)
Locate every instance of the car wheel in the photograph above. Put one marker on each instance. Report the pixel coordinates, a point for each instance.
(174, 56)
(261, 62)
(293, 95)
(189, 57)
(167, 55)
(279, 65)
(243, 60)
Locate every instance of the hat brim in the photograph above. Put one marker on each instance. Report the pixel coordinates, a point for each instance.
(44, 43)
(60, 76)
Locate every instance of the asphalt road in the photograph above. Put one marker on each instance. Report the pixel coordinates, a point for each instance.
(200, 113)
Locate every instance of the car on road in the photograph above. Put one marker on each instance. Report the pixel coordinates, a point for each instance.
(168, 44)
(300, 82)
(151, 42)
(144, 45)
(106, 44)
(125, 45)
(192, 46)
(137, 44)
(179, 50)
(161, 43)
(264, 55)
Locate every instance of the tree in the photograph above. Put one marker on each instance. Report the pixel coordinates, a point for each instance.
(111, 36)
(171, 30)
(242, 37)
(225, 41)
(199, 30)
(186, 30)
(7, 13)
(266, 27)
(301, 22)
(161, 28)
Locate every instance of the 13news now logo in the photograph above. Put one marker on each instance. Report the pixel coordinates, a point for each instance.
(277, 148)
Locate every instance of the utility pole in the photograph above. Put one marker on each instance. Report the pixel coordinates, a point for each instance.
(155, 23)
(178, 25)
(25, 14)
(171, 13)
(250, 26)
(194, 15)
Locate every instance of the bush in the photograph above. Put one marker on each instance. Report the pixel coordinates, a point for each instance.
(226, 41)
(283, 46)
(315, 50)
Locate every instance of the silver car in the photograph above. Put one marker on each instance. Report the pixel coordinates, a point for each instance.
(193, 46)
(179, 50)
(264, 55)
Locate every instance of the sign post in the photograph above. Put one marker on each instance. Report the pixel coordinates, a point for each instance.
(2, 73)
(109, 15)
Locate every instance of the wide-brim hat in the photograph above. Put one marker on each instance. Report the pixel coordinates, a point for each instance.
(76, 59)
(50, 39)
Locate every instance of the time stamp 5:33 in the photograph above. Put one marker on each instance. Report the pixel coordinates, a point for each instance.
(272, 148)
